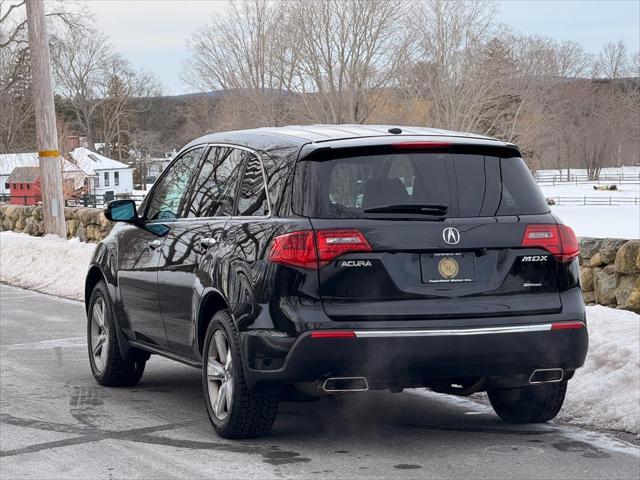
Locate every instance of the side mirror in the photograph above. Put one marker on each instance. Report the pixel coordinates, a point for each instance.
(122, 211)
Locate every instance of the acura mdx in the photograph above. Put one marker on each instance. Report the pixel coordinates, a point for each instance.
(296, 262)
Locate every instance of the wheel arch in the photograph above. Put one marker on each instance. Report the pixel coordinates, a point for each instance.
(212, 302)
(94, 275)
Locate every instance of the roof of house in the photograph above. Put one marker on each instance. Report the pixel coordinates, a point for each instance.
(24, 175)
(9, 161)
(90, 161)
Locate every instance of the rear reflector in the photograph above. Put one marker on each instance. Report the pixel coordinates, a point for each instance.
(558, 240)
(333, 334)
(566, 325)
(306, 250)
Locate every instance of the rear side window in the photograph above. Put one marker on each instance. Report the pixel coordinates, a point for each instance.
(469, 185)
(214, 191)
(520, 192)
(252, 198)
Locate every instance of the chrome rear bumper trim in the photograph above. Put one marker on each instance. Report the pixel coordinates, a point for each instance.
(540, 327)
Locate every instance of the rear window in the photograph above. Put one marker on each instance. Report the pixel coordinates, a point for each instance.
(470, 185)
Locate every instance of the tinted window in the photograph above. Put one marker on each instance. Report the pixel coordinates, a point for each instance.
(520, 193)
(168, 195)
(214, 191)
(252, 199)
(470, 185)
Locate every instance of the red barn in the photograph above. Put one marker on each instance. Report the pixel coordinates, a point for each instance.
(24, 186)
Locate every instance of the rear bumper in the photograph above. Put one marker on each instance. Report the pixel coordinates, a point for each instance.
(414, 357)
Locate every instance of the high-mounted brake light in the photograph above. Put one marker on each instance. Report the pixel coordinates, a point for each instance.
(306, 250)
(419, 145)
(558, 240)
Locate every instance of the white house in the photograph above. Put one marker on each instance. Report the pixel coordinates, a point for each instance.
(9, 161)
(108, 177)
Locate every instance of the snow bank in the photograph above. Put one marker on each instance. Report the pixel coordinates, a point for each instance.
(605, 393)
(600, 221)
(47, 264)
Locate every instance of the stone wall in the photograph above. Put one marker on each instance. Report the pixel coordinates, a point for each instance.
(610, 272)
(87, 224)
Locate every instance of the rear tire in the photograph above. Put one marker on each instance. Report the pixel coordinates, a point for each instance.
(531, 404)
(108, 366)
(234, 410)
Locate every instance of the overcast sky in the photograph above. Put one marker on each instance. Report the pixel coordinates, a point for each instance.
(152, 34)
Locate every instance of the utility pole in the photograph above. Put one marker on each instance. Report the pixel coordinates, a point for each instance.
(46, 131)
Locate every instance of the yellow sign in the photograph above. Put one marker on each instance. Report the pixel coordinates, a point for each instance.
(448, 267)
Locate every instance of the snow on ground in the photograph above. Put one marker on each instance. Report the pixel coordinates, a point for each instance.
(601, 221)
(605, 393)
(581, 190)
(47, 264)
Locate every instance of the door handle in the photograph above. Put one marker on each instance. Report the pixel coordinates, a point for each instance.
(155, 244)
(207, 242)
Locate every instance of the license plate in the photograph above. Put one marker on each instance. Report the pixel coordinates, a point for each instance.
(453, 267)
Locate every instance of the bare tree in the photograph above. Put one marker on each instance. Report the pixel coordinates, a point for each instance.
(448, 70)
(16, 103)
(613, 61)
(99, 85)
(17, 129)
(349, 53)
(247, 54)
(79, 63)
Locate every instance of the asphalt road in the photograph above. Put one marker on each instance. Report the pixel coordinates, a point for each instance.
(56, 422)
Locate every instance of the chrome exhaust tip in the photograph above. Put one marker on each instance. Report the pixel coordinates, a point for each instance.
(546, 375)
(345, 384)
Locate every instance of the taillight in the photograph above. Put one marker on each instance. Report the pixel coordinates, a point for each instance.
(303, 249)
(333, 243)
(558, 240)
(297, 249)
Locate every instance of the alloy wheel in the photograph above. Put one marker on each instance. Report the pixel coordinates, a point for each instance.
(219, 371)
(99, 335)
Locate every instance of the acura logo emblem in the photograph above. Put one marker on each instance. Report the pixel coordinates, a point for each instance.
(451, 235)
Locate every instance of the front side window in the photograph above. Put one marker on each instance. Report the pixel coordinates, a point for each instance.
(167, 198)
(106, 179)
(214, 191)
(252, 199)
(96, 182)
(116, 178)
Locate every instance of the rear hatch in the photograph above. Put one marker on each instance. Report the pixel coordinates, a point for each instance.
(439, 231)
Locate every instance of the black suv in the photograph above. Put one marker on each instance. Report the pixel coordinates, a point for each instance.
(290, 263)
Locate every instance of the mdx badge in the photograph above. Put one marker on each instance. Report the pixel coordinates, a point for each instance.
(451, 235)
(355, 263)
(535, 258)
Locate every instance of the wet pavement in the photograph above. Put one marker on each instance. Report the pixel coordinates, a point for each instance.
(56, 422)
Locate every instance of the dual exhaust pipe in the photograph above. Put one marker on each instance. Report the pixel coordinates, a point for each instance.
(360, 384)
(345, 384)
(546, 375)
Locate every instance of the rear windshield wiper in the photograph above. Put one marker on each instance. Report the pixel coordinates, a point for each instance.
(419, 208)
